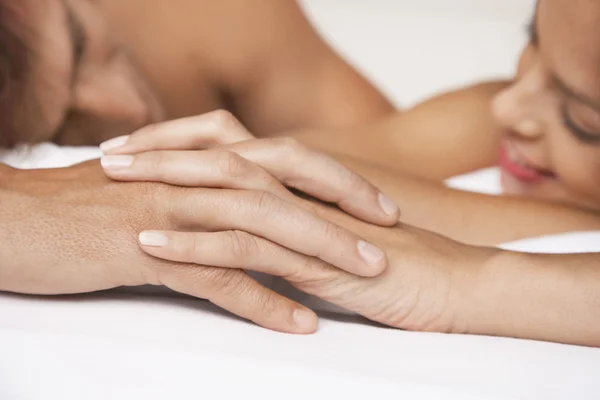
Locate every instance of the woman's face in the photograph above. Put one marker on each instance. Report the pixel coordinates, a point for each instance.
(81, 86)
(551, 113)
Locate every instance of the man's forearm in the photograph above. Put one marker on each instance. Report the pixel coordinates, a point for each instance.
(543, 297)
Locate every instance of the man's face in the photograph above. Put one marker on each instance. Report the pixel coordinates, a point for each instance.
(81, 86)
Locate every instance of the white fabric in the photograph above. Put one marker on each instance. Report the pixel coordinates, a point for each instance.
(155, 344)
(116, 345)
(486, 181)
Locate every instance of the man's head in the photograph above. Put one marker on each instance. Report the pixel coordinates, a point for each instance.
(64, 75)
(551, 112)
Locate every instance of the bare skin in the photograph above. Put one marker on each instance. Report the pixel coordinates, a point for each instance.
(101, 69)
(82, 234)
(547, 119)
(431, 284)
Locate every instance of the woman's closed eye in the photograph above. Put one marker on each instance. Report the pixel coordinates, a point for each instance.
(583, 131)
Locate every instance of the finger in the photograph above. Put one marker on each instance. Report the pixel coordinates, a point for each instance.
(266, 215)
(241, 250)
(235, 249)
(236, 292)
(261, 212)
(320, 176)
(191, 133)
(210, 168)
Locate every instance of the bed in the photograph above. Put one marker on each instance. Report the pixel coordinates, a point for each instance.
(155, 344)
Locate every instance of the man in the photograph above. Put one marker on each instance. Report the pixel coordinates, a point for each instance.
(79, 72)
(83, 71)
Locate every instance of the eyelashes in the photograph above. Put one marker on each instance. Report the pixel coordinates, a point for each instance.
(580, 133)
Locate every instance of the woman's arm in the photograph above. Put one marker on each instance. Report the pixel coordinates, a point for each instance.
(448, 135)
(470, 217)
(409, 154)
(545, 297)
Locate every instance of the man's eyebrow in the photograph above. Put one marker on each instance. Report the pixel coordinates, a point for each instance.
(77, 38)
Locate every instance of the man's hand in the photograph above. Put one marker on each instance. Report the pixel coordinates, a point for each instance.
(74, 231)
(417, 292)
(170, 157)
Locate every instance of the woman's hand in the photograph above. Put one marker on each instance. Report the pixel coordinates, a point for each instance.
(283, 158)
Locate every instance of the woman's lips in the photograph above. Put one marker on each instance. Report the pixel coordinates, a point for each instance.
(516, 166)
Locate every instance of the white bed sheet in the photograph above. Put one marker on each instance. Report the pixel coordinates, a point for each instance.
(119, 345)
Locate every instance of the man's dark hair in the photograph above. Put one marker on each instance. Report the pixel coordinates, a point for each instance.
(14, 68)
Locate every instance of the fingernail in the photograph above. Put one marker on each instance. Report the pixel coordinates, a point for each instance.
(304, 319)
(371, 254)
(153, 239)
(116, 162)
(114, 143)
(387, 204)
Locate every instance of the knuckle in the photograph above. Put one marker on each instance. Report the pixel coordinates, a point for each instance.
(315, 273)
(287, 142)
(189, 249)
(356, 182)
(264, 303)
(241, 245)
(156, 160)
(332, 233)
(225, 120)
(232, 165)
(266, 202)
(289, 147)
(150, 130)
(228, 281)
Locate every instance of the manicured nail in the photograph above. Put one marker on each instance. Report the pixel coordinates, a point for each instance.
(114, 143)
(304, 319)
(387, 204)
(116, 162)
(153, 239)
(371, 254)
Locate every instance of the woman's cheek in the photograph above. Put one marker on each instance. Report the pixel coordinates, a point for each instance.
(579, 172)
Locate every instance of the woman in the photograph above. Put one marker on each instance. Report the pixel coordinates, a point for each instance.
(542, 125)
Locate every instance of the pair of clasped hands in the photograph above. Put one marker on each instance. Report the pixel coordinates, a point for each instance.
(193, 204)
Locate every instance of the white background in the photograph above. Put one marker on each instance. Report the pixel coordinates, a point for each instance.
(120, 346)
